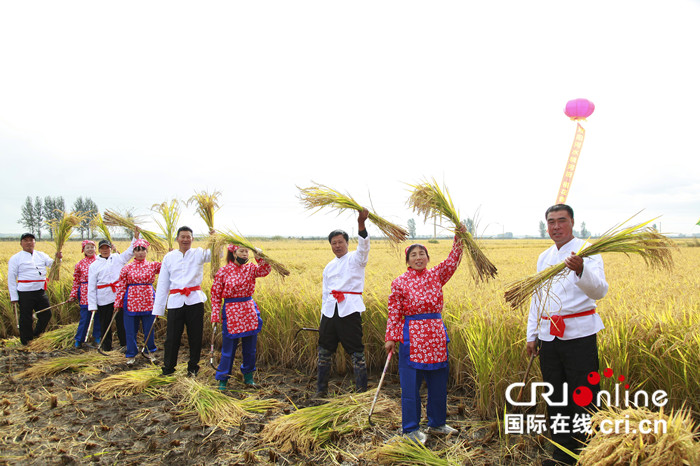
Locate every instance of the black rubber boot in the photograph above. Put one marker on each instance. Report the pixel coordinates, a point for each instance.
(360, 368)
(324, 371)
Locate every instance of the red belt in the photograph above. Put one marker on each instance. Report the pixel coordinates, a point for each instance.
(111, 285)
(33, 281)
(186, 291)
(340, 295)
(557, 326)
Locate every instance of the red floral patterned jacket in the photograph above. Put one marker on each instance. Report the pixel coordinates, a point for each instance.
(80, 280)
(415, 293)
(139, 298)
(237, 281)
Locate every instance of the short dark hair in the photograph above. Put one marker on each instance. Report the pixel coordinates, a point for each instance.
(184, 228)
(335, 233)
(414, 246)
(557, 208)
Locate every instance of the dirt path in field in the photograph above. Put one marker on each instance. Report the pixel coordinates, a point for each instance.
(57, 421)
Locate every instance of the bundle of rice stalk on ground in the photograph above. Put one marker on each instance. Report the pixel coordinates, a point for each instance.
(228, 237)
(318, 196)
(640, 239)
(207, 204)
(404, 451)
(430, 200)
(98, 224)
(113, 219)
(85, 363)
(214, 408)
(675, 445)
(312, 427)
(171, 216)
(62, 229)
(61, 338)
(131, 383)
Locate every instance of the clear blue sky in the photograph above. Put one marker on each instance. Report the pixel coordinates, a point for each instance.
(134, 103)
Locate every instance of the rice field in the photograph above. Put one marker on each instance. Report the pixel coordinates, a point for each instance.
(652, 317)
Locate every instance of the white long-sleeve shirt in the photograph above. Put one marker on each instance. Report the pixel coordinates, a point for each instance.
(105, 272)
(26, 266)
(179, 271)
(569, 295)
(346, 273)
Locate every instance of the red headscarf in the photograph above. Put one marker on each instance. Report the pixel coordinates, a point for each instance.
(85, 243)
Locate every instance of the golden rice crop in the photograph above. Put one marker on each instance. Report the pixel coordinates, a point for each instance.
(229, 237)
(309, 428)
(639, 239)
(319, 196)
(670, 439)
(114, 219)
(170, 213)
(403, 451)
(207, 204)
(131, 383)
(429, 200)
(62, 229)
(214, 408)
(60, 338)
(87, 363)
(98, 224)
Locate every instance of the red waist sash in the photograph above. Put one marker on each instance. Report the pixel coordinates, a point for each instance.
(340, 295)
(557, 326)
(33, 281)
(111, 285)
(186, 291)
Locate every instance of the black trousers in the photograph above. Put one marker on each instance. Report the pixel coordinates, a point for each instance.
(105, 314)
(569, 361)
(192, 317)
(30, 301)
(344, 330)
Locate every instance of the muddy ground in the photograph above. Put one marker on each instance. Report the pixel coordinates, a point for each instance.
(56, 421)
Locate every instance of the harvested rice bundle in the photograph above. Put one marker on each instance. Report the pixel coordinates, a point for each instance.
(309, 428)
(99, 224)
(318, 196)
(58, 339)
(12, 342)
(86, 363)
(404, 451)
(641, 239)
(62, 229)
(131, 383)
(228, 237)
(214, 408)
(430, 200)
(114, 219)
(674, 446)
(171, 216)
(207, 204)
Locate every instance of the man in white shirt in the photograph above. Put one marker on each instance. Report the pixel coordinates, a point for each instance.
(103, 278)
(566, 323)
(342, 306)
(180, 289)
(26, 281)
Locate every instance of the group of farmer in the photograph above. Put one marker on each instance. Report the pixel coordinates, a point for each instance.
(564, 335)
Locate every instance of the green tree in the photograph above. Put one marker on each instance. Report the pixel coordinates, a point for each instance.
(543, 229)
(411, 228)
(88, 208)
(38, 215)
(53, 210)
(584, 232)
(28, 219)
(471, 226)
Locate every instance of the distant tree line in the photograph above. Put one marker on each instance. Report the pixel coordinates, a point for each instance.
(38, 214)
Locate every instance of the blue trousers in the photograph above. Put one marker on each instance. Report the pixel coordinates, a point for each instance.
(83, 324)
(228, 353)
(131, 327)
(411, 380)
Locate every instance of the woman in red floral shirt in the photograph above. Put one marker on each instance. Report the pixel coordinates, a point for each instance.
(80, 293)
(235, 284)
(135, 293)
(415, 322)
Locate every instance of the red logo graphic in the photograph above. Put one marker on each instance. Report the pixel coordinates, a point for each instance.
(583, 396)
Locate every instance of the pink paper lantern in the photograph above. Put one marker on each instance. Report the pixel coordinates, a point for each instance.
(579, 109)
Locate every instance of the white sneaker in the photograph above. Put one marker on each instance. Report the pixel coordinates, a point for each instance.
(152, 357)
(417, 436)
(130, 361)
(442, 430)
